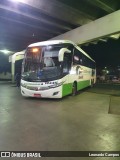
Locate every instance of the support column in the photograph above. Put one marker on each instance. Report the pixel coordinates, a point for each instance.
(15, 57)
(13, 71)
(13, 68)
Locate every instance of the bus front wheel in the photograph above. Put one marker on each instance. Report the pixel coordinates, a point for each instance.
(92, 83)
(74, 89)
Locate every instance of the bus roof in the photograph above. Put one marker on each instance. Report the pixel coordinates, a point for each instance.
(50, 42)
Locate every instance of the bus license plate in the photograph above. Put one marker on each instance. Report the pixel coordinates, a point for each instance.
(37, 95)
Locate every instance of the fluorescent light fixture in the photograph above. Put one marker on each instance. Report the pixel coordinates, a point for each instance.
(18, 1)
(5, 51)
(115, 36)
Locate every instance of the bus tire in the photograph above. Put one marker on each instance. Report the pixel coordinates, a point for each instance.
(92, 83)
(74, 89)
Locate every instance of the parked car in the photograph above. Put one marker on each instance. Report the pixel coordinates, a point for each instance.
(115, 79)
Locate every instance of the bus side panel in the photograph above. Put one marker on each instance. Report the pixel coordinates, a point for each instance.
(66, 89)
(83, 84)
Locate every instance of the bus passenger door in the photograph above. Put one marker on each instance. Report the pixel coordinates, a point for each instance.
(67, 88)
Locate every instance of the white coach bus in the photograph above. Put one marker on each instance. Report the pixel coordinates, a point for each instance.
(54, 69)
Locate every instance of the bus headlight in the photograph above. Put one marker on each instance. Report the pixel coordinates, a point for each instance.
(56, 85)
(23, 85)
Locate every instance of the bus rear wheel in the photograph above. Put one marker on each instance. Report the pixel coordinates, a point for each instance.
(74, 89)
(92, 83)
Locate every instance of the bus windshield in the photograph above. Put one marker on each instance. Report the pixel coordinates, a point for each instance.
(41, 63)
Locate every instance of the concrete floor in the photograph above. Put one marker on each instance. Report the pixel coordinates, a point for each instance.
(80, 123)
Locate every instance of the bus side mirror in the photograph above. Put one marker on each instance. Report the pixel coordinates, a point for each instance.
(61, 54)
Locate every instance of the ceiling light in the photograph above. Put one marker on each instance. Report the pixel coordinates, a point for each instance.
(5, 51)
(18, 1)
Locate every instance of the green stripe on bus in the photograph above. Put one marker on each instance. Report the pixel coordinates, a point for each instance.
(83, 84)
(66, 89)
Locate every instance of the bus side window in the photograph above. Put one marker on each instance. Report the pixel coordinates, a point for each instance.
(67, 62)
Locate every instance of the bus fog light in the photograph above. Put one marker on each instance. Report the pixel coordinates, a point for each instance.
(55, 93)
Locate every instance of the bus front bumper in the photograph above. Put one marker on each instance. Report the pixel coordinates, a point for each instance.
(49, 93)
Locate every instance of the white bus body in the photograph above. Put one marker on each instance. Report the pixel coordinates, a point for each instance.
(54, 69)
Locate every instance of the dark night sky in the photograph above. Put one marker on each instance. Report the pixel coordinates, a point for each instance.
(105, 53)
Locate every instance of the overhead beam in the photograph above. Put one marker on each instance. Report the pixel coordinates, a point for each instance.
(59, 10)
(104, 6)
(97, 29)
(34, 17)
(31, 25)
(22, 27)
